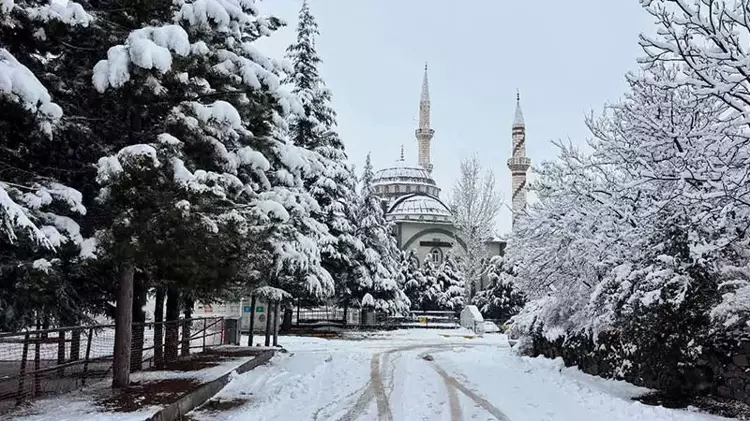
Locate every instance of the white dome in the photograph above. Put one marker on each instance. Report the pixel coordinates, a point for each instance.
(402, 172)
(419, 207)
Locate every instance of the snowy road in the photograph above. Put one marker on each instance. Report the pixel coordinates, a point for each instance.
(424, 375)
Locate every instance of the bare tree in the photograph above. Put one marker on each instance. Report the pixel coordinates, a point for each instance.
(475, 203)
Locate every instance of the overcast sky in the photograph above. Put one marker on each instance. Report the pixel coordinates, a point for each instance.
(566, 57)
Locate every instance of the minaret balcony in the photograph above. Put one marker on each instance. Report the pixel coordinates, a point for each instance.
(519, 163)
(424, 132)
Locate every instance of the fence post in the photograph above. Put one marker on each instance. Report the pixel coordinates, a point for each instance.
(22, 371)
(37, 358)
(252, 321)
(61, 352)
(88, 355)
(298, 306)
(204, 334)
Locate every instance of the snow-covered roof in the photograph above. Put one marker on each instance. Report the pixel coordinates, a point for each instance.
(420, 207)
(403, 172)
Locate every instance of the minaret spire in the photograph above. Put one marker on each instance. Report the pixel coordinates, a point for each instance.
(424, 132)
(518, 119)
(425, 87)
(518, 162)
(402, 152)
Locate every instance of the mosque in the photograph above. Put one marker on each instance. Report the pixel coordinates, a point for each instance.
(411, 198)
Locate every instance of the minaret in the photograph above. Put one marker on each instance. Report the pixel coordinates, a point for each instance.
(518, 162)
(424, 133)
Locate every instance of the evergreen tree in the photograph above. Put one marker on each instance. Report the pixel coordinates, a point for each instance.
(501, 300)
(411, 279)
(203, 187)
(375, 285)
(430, 290)
(452, 285)
(41, 241)
(314, 129)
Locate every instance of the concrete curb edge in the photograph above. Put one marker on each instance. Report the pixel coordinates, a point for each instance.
(206, 391)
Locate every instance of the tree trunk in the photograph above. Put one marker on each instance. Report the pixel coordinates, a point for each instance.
(139, 318)
(186, 326)
(75, 345)
(61, 352)
(45, 325)
(252, 321)
(268, 323)
(123, 327)
(276, 324)
(172, 325)
(286, 325)
(159, 328)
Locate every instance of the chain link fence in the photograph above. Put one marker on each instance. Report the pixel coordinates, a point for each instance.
(43, 362)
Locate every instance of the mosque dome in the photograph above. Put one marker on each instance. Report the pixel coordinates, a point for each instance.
(402, 178)
(420, 208)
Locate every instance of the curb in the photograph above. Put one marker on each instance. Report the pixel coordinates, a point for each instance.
(206, 391)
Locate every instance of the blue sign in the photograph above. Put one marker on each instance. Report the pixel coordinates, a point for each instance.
(247, 309)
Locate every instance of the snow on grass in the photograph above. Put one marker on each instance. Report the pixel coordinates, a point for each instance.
(81, 406)
(294, 387)
(324, 379)
(543, 389)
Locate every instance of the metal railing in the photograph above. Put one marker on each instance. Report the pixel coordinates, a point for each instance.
(324, 316)
(43, 362)
(328, 316)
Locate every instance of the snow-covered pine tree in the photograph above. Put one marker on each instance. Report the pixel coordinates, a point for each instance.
(430, 291)
(204, 173)
(501, 300)
(452, 284)
(334, 188)
(375, 285)
(411, 279)
(40, 212)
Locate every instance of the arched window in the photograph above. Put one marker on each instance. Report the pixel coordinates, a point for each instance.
(436, 255)
(414, 260)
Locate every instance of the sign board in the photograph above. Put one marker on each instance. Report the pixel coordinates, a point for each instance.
(423, 320)
(259, 309)
(247, 309)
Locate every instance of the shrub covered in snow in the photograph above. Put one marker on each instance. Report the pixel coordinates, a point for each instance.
(502, 299)
(641, 245)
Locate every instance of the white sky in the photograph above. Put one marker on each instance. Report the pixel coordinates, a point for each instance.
(566, 57)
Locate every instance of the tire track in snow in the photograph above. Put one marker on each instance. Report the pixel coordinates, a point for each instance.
(375, 389)
(482, 402)
(384, 408)
(453, 403)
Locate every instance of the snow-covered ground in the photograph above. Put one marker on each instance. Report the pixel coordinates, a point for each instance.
(385, 376)
(81, 405)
